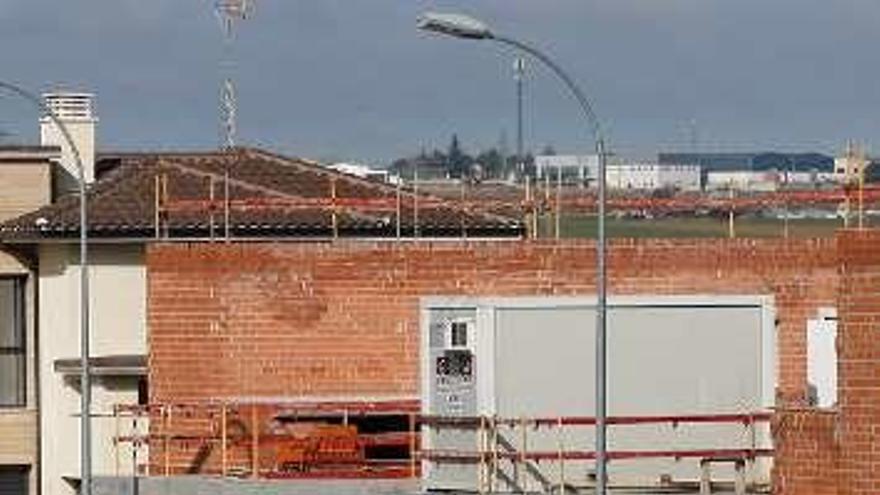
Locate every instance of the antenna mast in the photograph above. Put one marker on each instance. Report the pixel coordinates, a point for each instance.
(230, 12)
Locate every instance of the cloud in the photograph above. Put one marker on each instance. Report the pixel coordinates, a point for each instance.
(354, 78)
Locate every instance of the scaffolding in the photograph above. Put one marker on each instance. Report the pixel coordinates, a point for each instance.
(528, 203)
(269, 440)
(319, 440)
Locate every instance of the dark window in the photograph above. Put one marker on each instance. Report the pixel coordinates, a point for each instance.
(459, 334)
(13, 480)
(12, 343)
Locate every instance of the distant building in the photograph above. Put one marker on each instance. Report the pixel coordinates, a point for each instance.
(365, 172)
(742, 180)
(710, 161)
(620, 175)
(803, 162)
(567, 165)
(765, 171)
(653, 176)
(852, 165)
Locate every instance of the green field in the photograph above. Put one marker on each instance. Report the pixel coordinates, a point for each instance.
(585, 226)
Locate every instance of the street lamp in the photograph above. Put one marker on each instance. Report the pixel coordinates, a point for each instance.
(85, 383)
(462, 26)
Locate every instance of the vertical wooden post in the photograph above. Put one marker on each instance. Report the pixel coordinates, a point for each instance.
(166, 431)
(211, 207)
(493, 473)
(522, 477)
(546, 187)
(731, 228)
(415, 200)
(560, 432)
(464, 209)
(399, 206)
(224, 468)
(412, 445)
(226, 215)
(334, 218)
(546, 228)
(739, 479)
(558, 209)
(156, 205)
(861, 196)
(527, 209)
(165, 204)
(116, 439)
(705, 477)
(481, 452)
(140, 443)
(255, 443)
(753, 435)
(136, 445)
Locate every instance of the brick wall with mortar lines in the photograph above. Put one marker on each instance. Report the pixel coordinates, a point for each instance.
(859, 362)
(300, 320)
(282, 321)
(807, 452)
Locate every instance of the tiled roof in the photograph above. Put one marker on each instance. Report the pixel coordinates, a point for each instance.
(268, 196)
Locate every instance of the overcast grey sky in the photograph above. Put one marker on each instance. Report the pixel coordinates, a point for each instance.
(352, 79)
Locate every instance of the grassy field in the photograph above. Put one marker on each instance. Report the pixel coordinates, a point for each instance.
(585, 226)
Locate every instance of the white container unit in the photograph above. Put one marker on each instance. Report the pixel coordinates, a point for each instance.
(522, 358)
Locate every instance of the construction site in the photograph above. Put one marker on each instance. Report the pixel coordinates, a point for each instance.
(262, 323)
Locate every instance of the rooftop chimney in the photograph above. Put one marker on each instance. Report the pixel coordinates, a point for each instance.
(74, 110)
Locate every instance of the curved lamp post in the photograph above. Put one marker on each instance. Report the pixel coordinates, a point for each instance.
(461, 26)
(85, 384)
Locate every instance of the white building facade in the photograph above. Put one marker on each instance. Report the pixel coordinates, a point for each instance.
(743, 180)
(644, 176)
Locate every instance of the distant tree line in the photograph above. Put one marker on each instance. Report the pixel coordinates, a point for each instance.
(456, 163)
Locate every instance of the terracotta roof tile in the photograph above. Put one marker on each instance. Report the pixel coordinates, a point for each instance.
(268, 196)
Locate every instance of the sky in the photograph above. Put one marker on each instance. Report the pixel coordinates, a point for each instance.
(354, 80)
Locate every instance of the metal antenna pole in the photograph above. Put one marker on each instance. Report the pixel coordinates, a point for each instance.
(229, 12)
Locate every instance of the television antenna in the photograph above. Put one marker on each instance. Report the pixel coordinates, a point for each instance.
(230, 13)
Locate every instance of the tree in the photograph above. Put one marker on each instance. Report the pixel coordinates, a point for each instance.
(457, 162)
(493, 163)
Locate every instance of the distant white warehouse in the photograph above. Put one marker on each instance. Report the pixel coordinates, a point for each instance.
(619, 174)
(365, 172)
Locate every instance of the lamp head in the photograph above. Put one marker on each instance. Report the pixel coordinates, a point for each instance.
(455, 25)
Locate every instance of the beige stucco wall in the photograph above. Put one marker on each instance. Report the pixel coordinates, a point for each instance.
(118, 326)
(25, 187)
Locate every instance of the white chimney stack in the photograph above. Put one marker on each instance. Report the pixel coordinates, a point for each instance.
(74, 110)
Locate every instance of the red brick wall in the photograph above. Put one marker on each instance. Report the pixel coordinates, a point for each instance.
(294, 320)
(807, 452)
(859, 362)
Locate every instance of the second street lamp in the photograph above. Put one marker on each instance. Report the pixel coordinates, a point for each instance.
(462, 26)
